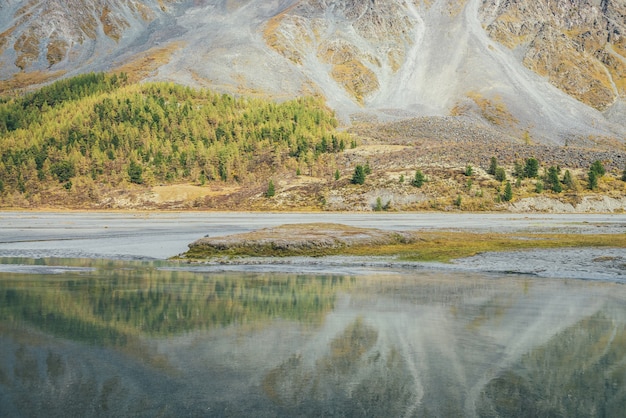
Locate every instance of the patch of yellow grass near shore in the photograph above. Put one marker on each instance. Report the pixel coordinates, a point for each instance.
(446, 246)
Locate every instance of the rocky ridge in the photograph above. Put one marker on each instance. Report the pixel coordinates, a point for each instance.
(580, 46)
(546, 67)
(65, 36)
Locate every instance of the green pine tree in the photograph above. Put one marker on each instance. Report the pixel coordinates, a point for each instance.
(418, 179)
(518, 170)
(359, 175)
(592, 177)
(493, 165)
(379, 205)
(552, 179)
(271, 191)
(134, 172)
(500, 174)
(568, 180)
(598, 168)
(531, 169)
(508, 192)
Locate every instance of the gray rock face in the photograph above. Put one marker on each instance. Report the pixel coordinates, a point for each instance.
(580, 46)
(544, 67)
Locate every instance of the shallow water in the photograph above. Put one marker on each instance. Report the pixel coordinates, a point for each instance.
(145, 235)
(120, 338)
(94, 322)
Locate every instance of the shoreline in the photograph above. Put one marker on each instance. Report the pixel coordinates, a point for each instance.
(583, 263)
(160, 236)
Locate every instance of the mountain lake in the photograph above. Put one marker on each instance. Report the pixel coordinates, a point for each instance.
(95, 321)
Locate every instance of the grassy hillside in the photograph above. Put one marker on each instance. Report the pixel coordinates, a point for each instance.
(98, 130)
(101, 141)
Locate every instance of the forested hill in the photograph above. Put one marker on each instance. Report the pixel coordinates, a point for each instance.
(100, 130)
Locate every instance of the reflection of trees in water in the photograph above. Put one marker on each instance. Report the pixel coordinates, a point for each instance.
(355, 378)
(579, 372)
(36, 381)
(118, 305)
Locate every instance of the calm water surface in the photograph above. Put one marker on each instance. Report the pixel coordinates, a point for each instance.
(121, 338)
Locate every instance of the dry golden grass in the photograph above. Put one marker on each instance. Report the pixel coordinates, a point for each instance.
(27, 49)
(144, 64)
(396, 59)
(494, 110)
(188, 192)
(275, 40)
(57, 48)
(446, 246)
(28, 80)
(111, 25)
(348, 69)
(617, 68)
(456, 7)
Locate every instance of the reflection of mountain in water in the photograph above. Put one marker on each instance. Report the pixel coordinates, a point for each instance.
(353, 379)
(462, 348)
(579, 372)
(150, 342)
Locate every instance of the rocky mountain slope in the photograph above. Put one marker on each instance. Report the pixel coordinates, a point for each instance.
(548, 70)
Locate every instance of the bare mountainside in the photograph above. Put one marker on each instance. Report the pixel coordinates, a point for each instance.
(548, 69)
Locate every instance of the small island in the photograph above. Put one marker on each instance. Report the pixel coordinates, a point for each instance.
(311, 239)
(332, 239)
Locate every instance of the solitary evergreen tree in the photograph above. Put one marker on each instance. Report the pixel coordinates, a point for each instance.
(469, 170)
(592, 180)
(359, 175)
(553, 181)
(379, 205)
(598, 168)
(518, 170)
(508, 192)
(271, 191)
(367, 169)
(624, 175)
(493, 165)
(418, 180)
(500, 174)
(531, 169)
(568, 180)
(337, 174)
